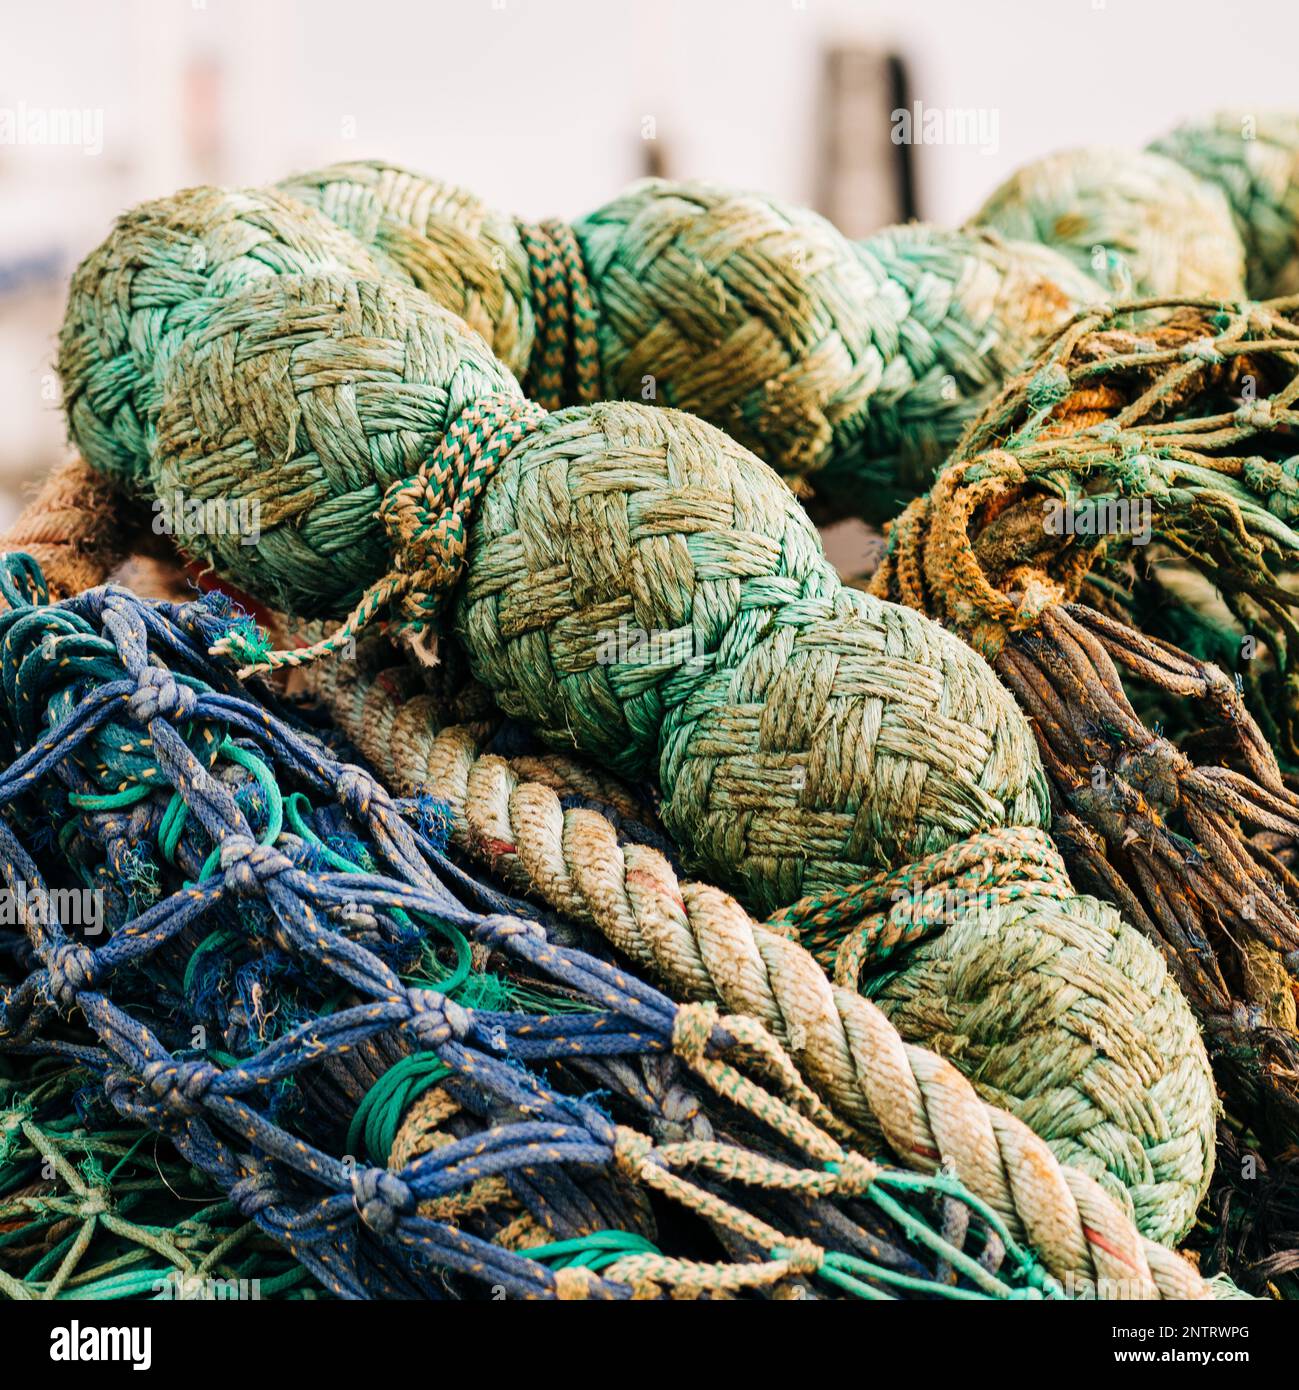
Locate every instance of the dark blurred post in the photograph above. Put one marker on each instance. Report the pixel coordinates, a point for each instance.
(864, 180)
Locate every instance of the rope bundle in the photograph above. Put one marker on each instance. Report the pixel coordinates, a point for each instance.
(338, 1027)
(1139, 222)
(857, 364)
(994, 909)
(1188, 417)
(91, 1208)
(802, 733)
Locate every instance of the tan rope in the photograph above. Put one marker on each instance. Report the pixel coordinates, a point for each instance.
(703, 943)
(74, 528)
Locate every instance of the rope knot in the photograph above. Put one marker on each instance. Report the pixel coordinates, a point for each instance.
(495, 930)
(574, 1284)
(435, 1019)
(854, 1173)
(249, 866)
(1256, 413)
(1156, 771)
(159, 693)
(631, 1152)
(254, 1193)
(802, 1256)
(564, 368)
(179, 1085)
(94, 1203)
(691, 1030)
(1277, 482)
(427, 517)
(71, 969)
(1048, 387)
(381, 1198)
(356, 791)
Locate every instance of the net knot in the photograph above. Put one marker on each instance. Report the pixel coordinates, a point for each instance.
(249, 866)
(356, 791)
(434, 1019)
(179, 1085)
(381, 1198)
(631, 1152)
(854, 1173)
(159, 693)
(691, 1030)
(71, 969)
(497, 929)
(255, 1192)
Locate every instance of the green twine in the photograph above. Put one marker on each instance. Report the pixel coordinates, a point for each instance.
(379, 1115)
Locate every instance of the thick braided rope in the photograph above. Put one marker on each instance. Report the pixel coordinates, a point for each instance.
(707, 947)
(1163, 832)
(802, 733)
(446, 241)
(427, 518)
(1254, 159)
(1139, 222)
(758, 317)
(977, 305)
(128, 310)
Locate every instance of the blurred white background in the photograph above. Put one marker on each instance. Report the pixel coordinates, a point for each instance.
(542, 107)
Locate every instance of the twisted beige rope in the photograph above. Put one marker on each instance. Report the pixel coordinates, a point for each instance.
(706, 946)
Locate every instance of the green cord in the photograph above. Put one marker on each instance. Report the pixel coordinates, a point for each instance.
(435, 974)
(109, 801)
(379, 1115)
(594, 1252)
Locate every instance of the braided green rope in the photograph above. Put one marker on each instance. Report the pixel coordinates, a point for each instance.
(1254, 159)
(802, 733)
(992, 915)
(857, 364)
(1138, 221)
(752, 315)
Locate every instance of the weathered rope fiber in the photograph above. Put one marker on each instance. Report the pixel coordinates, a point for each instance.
(1151, 417)
(92, 1208)
(705, 946)
(111, 699)
(1138, 221)
(75, 528)
(760, 318)
(864, 757)
(386, 711)
(1254, 159)
(731, 545)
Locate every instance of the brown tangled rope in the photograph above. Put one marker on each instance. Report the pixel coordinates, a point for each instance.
(1181, 408)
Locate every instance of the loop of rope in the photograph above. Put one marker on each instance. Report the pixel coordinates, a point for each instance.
(427, 518)
(866, 923)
